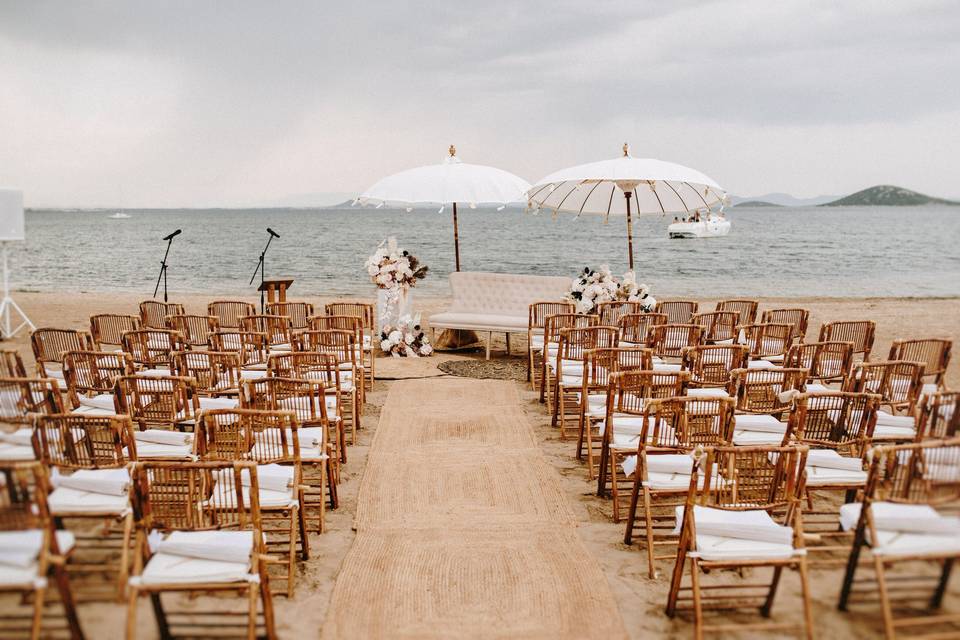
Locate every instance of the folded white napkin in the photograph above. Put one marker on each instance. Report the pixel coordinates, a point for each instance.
(110, 482)
(160, 436)
(670, 463)
(756, 525)
(223, 546)
(830, 459)
(270, 477)
(761, 422)
(904, 518)
(21, 437)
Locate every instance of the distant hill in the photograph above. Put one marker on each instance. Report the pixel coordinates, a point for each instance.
(756, 204)
(782, 200)
(885, 195)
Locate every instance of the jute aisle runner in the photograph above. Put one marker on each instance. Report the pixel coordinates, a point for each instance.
(462, 529)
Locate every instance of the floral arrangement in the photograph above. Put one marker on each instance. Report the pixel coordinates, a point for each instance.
(405, 340)
(391, 267)
(593, 286)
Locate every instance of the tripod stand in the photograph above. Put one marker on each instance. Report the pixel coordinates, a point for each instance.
(163, 265)
(261, 266)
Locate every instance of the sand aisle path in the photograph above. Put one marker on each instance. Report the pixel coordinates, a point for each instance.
(462, 527)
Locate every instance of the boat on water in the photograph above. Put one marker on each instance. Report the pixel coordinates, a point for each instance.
(119, 215)
(713, 226)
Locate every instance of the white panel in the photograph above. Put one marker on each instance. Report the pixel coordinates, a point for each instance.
(11, 215)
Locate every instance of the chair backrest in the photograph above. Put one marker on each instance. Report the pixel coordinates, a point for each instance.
(795, 317)
(678, 311)
(554, 324)
(306, 365)
(305, 398)
(746, 310)
(195, 330)
(739, 478)
(341, 323)
(151, 348)
(718, 326)
(933, 353)
(611, 311)
(939, 416)
(108, 328)
(768, 339)
(50, 345)
(834, 420)
(85, 441)
(859, 332)
(94, 372)
(23, 505)
(540, 311)
(214, 371)
(154, 314)
(599, 363)
(158, 402)
(766, 391)
(684, 422)
(278, 329)
(898, 383)
(711, 365)
(363, 310)
(635, 327)
(22, 399)
(631, 390)
(250, 345)
(574, 343)
(669, 340)
(920, 473)
(11, 364)
(342, 344)
(229, 312)
(298, 312)
(264, 437)
(822, 360)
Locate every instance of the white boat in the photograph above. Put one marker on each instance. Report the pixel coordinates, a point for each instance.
(119, 216)
(713, 226)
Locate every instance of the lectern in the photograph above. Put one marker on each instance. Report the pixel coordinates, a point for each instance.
(276, 288)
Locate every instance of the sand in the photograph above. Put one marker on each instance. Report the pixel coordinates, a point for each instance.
(639, 600)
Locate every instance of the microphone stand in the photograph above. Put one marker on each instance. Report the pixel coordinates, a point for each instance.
(163, 269)
(260, 268)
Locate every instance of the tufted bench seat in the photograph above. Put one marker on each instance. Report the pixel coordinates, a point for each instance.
(496, 302)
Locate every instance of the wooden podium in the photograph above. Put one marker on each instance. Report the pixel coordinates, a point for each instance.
(276, 288)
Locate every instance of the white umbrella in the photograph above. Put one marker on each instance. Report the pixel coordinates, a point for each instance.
(608, 187)
(448, 183)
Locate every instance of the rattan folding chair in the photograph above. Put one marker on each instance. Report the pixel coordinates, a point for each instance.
(746, 310)
(933, 353)
(151, 348)
(33, 555)
(229, 312)
(298, 312)
(371, 333)
(567, 368)
(153, 314)
(635, 327)
(323, 368)
(768, 342)
(939, 416)
(92, 499)
(711, 367)
(107, 330)
(743, 515)
(898, 384)
(21, 400)
(250, 346)
(271, 440)
(719, 327)
(900, 530)
(658, 460)
(11, 364)
(552, 327)
(859, 332)
(278, 329)
(217, 373)
(344, 323)
(678, 311)
(50, 345)
(610, 312)
(763, 396)
(306, 399)
(795, 317)
(195, 330)
(211, 541)
(91, 378)
(159, 402)
(343, 346)
(670, 340)
(538, 312)
(825, 362)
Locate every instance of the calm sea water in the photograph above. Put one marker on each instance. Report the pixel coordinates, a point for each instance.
(855, 251)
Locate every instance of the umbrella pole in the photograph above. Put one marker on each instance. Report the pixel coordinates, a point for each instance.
(456, 236)
(627, 195)
(456, 339)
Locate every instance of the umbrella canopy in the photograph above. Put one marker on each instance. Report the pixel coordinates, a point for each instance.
(624, 186)
(450, 182)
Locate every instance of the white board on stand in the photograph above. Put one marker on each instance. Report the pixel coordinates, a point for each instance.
(11, 215)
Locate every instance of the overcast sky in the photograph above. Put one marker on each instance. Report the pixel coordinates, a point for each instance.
(159, 103)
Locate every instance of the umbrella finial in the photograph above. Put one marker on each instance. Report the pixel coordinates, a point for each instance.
(626, 150)
(453, 151)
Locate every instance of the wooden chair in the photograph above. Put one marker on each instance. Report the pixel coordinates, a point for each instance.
(91, 379)
(933, 353)
(859, 332)
(195, 330)
(50, 345)
(825, 362)
(345, 323)
(678, 311)
(153, 314)
(766, 391)
(371, 333)
(897, 523)
(107, 330)
(567, 368)
(318, 437)
(635, 327)
(711, 366)
(610, 312)
(271, 440)
(217, 373)
(278, 329)
(897, 382)
(27, 534)
(250, 346)
(538, 312)
(161, 402)
(343, 346)
(661, 466)
(298, 312)
(746, 310)
(552, 327)
(769, 341)
(200, 513)
(229, 312)
(151, 349)
(939, 416)
(11, 364)
(91, 454)
(795, 317)
(21, 400)
(760, 487)
(670, 340)
(718, 326)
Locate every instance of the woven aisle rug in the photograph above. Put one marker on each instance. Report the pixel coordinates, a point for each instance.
(462, 528)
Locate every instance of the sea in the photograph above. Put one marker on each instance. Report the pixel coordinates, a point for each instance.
(770, 251)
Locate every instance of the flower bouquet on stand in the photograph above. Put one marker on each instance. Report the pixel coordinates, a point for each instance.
(395, 272)
(406, 339)
(594, 286)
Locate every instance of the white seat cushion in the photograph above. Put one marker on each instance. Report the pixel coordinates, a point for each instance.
(111, 482)
(744, 438)
(207, 404)
(666, 367)
(824, 476)
(724, 535)
(19, 551)
(153, 451)
(103, 401)
(816, 387)
(165, 568)
(760, 364)
(64, 500)
(760, 422)
(708, 392)
(222, 546)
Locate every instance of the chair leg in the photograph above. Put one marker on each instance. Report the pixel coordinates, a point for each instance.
(508, 343)
(302, 523)
(807, 605)
(124, 556)
(937, 598)
(888, 629)
(252, 611)
(39, 597)
(161, 616)
(648, 521)
(267, 599)
(771, 592)
(132, 613)
(697, 605)
(291, 552)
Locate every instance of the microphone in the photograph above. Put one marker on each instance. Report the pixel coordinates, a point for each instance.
(173, 235)
(269, 230)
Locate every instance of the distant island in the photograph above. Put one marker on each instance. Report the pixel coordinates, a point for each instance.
(885, 195)
(757, 204)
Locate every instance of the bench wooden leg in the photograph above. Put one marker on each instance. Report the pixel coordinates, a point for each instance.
(508, 343)
(489, 341)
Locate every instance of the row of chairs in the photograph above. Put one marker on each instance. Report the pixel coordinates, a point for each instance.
(777, 415)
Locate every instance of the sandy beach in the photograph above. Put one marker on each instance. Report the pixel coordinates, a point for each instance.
(638, 599)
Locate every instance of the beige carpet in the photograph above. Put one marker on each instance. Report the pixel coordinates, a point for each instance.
(462, 528)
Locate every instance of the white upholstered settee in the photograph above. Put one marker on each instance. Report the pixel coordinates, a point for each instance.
(496, 302)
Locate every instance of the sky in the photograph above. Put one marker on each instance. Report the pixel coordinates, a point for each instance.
(194, 104)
